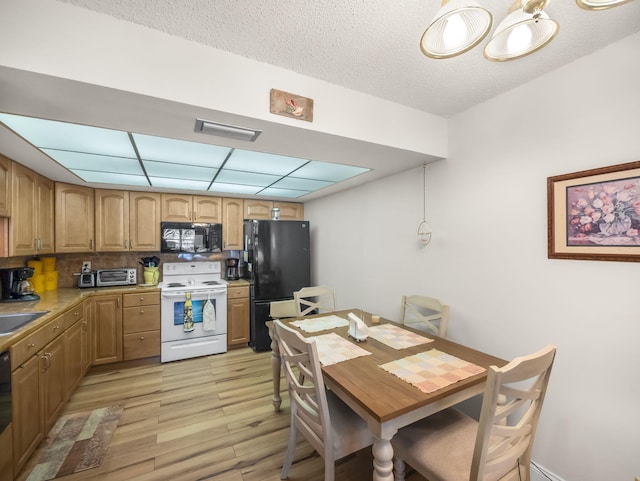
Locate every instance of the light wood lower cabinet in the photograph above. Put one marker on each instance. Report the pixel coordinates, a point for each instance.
(76, 349)
(106, 327)
(237, 316)
(28, 425)
(141, 325)
(40, 382)
(52, 377)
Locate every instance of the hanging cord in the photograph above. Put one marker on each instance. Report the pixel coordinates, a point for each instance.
(424, 192)
(424, 229)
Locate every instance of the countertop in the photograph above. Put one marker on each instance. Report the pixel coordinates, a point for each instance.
(56, 302)
(238, 283)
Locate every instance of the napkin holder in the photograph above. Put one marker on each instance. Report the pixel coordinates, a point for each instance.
(357, 328)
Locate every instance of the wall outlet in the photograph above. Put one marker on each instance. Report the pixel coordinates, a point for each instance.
(86, 266)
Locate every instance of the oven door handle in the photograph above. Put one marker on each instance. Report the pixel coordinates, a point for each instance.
(194, 293)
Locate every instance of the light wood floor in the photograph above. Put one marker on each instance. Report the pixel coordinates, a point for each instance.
(209, 418)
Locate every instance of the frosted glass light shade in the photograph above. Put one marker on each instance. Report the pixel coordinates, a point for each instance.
(520, 34)
(600, 4)
(458, 26)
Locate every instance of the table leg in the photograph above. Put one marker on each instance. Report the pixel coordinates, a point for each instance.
(382, 460)
(275, 371)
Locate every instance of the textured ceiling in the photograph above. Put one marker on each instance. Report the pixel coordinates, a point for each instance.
(372, 45)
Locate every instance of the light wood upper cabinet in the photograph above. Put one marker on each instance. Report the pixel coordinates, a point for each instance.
(191, 208)
(257, 209)
(45, 226)
(31, 222)
(232, 225)
(261, 210)
(5, 186)
(23, 225)
(74, 218)
(112, 220)
(290, 210)
(127, 221)
(144, 221)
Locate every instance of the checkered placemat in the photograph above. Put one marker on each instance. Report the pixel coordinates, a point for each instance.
(323, 323)
(432, 370)
(332, 349)
(396, 337)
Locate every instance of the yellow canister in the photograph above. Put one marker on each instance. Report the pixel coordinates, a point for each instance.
(37, 266)
(50, 280)
(48, 264)
(38, 282)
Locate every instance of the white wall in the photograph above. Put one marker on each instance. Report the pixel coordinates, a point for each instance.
(488, 258)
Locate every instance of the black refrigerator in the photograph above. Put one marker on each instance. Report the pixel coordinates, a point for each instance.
(278, 263)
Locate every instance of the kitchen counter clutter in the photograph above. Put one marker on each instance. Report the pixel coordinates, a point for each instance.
(56, 302)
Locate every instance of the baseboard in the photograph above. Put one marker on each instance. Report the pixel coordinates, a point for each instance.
(540, 473)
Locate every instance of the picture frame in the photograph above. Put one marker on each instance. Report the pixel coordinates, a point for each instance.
(595, 214)
(290, 105)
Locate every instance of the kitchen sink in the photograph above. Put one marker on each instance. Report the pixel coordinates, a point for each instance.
(11, 322)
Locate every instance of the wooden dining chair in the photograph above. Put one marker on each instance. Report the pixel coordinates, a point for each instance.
(331, 427)
(282, 309)
(314, 299)
(426, 314)
(451, 446)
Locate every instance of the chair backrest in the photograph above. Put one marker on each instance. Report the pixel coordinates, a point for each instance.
(314, 298)
(282, 309)
(507, 428)
(309, 408)
(425, 313)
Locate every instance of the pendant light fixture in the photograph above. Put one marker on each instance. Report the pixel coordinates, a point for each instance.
(458, 26)
(525, 30)
(600, 4)
(424, 229)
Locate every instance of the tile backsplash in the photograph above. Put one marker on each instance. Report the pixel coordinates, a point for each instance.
(68, 264)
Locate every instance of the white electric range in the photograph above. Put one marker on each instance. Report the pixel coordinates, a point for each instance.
(202, 280)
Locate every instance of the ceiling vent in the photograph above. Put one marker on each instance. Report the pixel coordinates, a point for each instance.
(228, 131)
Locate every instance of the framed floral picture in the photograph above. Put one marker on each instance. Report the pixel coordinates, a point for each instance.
(595, 214)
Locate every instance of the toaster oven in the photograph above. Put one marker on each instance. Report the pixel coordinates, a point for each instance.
(116, 277)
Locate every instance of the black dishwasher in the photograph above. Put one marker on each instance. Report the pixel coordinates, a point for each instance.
(5, 391)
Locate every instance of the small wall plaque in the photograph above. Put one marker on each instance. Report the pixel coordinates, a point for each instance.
(291, 105)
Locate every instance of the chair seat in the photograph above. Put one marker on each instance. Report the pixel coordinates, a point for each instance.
(444, 442)
(351, 431)
(441, 444)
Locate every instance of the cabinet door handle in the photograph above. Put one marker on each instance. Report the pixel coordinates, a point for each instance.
(91, 244)
(141, 311)
(142, 338)
(118, 302)
(47, 361)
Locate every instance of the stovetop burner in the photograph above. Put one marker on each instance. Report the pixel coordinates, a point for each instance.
(211, 283)
(176, 284)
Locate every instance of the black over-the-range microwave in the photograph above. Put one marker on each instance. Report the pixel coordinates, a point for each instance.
(190, 237)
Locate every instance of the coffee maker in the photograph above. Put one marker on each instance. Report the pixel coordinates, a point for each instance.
(16, 285)
(232, 269)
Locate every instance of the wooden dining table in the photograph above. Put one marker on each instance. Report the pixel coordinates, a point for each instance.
(385, 401)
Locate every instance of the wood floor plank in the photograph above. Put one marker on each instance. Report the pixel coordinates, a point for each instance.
(209, 418)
